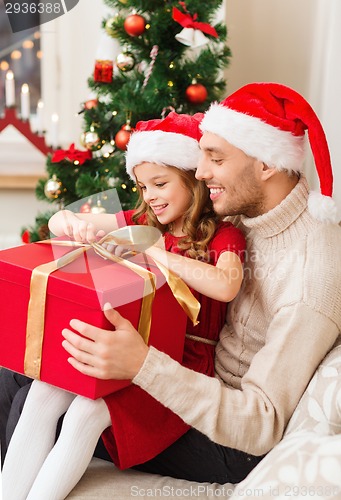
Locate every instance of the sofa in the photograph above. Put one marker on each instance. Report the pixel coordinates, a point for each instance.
(306, 463)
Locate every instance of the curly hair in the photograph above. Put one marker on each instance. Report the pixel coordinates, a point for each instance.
(200, 221)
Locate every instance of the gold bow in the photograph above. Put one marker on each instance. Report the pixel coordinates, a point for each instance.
(136, 238)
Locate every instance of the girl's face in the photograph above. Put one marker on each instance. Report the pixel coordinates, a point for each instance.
(164, 191)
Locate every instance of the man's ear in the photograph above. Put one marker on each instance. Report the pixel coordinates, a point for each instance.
(267, 172)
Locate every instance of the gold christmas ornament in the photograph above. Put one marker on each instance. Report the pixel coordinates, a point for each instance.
(125, 61)
(106, 150)
(53, 188)
(110, 27)
(44, 232)
(98, 208)
(90, 140)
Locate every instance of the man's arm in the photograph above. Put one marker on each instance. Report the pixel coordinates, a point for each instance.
(252, 419)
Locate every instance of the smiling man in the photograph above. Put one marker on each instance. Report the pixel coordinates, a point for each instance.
(287, 315)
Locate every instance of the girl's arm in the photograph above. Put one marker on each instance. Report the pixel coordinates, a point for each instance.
(82, 227)
(221, 282)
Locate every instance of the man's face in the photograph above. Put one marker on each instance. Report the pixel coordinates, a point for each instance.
(232, 177)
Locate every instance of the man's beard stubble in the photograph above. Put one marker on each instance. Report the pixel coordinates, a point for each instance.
(246, 198)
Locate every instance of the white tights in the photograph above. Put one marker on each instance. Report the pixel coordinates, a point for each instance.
(37, 469)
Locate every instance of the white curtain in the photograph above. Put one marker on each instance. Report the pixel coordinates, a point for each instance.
(325, 80)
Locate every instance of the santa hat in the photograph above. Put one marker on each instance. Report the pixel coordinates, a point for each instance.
(173, 141)
(268, 121)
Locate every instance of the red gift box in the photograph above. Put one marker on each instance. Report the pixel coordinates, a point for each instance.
(103, 71)
(80, 291)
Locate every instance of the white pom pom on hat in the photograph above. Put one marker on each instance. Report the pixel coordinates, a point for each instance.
(171, 141)
(268, 121)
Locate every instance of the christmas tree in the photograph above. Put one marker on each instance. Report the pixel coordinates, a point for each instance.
(172, 58)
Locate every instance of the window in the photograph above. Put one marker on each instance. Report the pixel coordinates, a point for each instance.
(20, 53)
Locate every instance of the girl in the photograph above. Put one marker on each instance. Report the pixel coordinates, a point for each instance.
(205, 252)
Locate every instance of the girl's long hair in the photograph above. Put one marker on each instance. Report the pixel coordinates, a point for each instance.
(200, 221)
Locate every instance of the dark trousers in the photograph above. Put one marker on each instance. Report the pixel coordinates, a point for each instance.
(13, 392)
(193, 457)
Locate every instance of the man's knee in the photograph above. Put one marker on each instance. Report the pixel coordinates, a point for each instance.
(13, 389)
(15, 411)
(10, 383)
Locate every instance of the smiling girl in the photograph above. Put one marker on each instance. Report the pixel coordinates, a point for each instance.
(204, 251)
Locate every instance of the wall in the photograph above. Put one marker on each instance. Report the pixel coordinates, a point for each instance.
(297, 44)
(271, 40)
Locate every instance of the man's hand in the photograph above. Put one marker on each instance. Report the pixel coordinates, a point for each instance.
(105, 354)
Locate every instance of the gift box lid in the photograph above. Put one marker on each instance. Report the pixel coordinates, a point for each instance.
(87, 277)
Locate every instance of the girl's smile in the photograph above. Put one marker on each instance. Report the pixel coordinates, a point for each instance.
(159, 209)
(164, 191)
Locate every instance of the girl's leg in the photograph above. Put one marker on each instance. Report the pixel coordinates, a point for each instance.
(33, 438)
(83, 424)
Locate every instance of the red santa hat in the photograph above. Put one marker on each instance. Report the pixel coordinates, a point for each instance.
(268, 121)
(171, 141)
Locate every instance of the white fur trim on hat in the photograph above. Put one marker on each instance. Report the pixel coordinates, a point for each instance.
(164, 148)
(323, 208)
(274, 147)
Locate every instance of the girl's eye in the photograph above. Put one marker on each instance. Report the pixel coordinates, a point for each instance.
(143, 188)
(160, 184)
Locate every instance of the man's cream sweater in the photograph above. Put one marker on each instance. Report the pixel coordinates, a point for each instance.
(284, 320)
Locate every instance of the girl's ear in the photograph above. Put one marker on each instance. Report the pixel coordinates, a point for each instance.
(267, 172)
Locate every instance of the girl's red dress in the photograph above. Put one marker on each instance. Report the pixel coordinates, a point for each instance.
(141, 427)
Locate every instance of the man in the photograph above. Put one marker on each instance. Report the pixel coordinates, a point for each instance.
(288, 313)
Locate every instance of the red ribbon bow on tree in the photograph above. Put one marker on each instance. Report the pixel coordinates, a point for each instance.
(71, 154)
(188, 21)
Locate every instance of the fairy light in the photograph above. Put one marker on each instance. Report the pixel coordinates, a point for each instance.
(27, 44)
(16, 54)
(4, 66)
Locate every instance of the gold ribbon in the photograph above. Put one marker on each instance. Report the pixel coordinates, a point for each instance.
(136, 238)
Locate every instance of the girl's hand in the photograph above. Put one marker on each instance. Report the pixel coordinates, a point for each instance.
(82, 231)
(66, 222)
(118, 250)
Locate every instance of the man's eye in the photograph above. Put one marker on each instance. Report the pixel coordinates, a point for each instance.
(217, 161)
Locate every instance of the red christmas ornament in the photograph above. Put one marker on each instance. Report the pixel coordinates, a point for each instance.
(123, 136)
(85, 209)
(26, 236)
(135, 25)
(91, 103)
(103, 71)
(196, 93)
